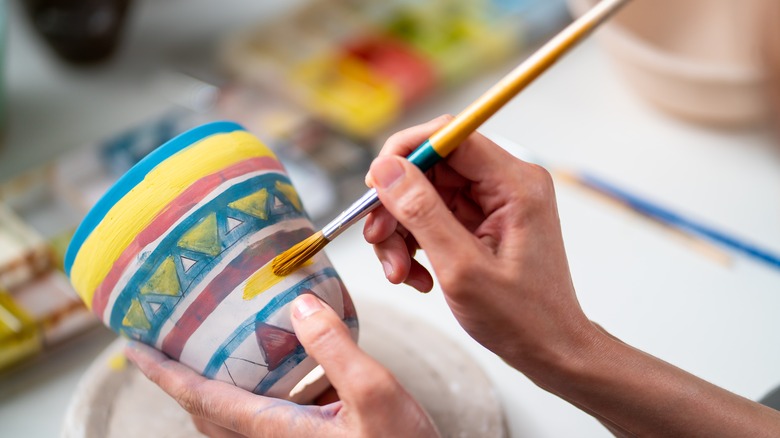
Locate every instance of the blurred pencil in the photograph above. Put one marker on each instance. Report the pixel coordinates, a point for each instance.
(676, 221)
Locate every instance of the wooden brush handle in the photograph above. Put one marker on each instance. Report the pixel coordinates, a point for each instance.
(449, 137)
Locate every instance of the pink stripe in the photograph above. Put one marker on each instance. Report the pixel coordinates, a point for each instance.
(173, 212)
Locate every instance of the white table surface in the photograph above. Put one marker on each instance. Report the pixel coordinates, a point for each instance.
(636, 279)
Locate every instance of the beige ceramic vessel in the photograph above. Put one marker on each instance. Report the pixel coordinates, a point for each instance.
(697, 59)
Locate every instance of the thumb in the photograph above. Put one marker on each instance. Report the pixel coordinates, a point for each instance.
(328, 340)
(411, 198)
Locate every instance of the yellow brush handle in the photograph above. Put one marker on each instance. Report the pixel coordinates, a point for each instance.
(446, 139)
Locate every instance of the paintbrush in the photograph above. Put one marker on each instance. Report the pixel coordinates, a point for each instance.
(449, 137)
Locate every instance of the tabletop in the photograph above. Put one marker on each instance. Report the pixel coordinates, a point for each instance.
(644, 284)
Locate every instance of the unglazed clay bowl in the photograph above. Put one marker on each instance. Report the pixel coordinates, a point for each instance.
(696, 59)
(177, 255)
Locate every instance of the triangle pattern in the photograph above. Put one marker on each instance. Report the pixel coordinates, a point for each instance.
(135, 317)
(278, 203)
(254, 204)
(349, 307)
(289, 192)
(203, 237)
(244, 373)
(155, 307)
(186, 263)
(164, 281)
(232, 223)
(277, 343)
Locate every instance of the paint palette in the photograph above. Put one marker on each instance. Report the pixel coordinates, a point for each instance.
(23, 252)
(359, 65)
(38, 308)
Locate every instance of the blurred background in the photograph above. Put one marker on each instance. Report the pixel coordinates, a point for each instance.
(674, 101)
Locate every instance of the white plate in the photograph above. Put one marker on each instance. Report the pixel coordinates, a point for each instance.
(118, 402)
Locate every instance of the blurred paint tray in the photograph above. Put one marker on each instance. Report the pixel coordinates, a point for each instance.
(39, 316)
(38, 307)
(23, 252)
(358, 65)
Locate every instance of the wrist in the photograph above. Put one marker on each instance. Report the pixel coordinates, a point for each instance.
(566, 359)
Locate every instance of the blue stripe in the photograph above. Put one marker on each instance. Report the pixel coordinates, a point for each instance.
(425, 156)
(285, 367)
(248, 326)
(134, 176)
(167, 246)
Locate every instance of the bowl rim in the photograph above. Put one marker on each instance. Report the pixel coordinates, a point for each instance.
(134, 176)
(637, 51)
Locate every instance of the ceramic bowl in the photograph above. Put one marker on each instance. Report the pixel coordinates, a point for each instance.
(177, 255)
(697, 59)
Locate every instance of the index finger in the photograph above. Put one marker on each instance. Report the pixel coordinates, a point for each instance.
(402, 143)
(477, 158)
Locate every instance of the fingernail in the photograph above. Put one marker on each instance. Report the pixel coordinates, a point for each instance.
(388, 268)
(386, 170)
(305, 306)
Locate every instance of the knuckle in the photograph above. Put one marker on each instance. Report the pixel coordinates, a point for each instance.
(537, 183)
(155, 375)
(323, 332)
(192, 400)
(445, 118)
(189, 402)
(379, 385)
(456, 276)
(449, 279)
(417, 207)
(392, 142)
(542, 180)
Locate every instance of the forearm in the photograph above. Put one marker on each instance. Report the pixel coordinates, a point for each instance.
(640, 395)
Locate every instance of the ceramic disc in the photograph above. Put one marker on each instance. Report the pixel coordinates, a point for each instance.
(114, 400)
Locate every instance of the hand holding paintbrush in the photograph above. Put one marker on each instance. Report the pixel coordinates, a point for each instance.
(450, 136)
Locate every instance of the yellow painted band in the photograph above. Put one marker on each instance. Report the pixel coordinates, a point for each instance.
(265, 279)
(138, 208)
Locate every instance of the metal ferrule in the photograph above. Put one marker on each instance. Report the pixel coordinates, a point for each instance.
(358, 210)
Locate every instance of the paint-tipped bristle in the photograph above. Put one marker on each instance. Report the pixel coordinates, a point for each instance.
(290, 260)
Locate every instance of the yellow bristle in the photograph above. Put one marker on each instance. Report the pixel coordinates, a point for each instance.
(287, 262)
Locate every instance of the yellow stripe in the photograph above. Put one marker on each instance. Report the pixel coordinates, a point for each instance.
(264, 279)
(261, 281)
(136, 210)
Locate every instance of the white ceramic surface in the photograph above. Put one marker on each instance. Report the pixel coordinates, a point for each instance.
(459, 397)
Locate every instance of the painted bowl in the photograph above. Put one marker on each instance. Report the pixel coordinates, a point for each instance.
(695, 59)
(177, 255)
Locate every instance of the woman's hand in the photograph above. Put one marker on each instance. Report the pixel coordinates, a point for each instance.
(488, 223)
(372, 402)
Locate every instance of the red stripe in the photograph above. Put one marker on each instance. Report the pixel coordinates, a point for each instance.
(173, 212)
(230, 277)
